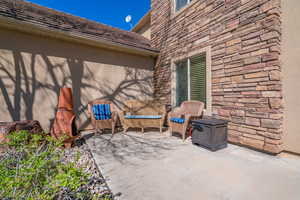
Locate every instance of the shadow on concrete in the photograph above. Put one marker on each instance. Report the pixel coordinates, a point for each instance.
(125, 147)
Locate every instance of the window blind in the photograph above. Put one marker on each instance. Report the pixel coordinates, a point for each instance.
(198, 78)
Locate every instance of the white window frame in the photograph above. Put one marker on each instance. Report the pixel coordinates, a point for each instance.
(207, 52)
(189, 77)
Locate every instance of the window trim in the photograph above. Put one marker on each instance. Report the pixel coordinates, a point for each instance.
(174, 61)
(175, 5)
(189, 76)
(188, 66)
(175, 13)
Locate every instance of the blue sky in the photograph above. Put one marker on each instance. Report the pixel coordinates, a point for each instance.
(109, 12)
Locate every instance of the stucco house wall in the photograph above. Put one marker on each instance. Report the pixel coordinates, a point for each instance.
(243, 37)
(33, 68)
(143, 27)
(145, 31)
(291, 74)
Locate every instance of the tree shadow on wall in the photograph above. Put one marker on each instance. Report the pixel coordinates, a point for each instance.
(24, 88)
(134, 85)
(20, 83)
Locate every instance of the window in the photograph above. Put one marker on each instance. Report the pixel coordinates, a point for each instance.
(191, 79)
(181, 3)
(181, 82)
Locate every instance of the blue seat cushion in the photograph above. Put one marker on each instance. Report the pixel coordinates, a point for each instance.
(177, 120)
(102, 111)
(143, 117)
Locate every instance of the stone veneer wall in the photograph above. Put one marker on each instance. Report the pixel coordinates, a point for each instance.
(244, 36)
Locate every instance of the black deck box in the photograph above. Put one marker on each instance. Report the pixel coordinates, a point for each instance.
(210, 133)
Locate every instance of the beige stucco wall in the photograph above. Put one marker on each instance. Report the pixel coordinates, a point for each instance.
(33, 68)
(291, 73)
(145, 31)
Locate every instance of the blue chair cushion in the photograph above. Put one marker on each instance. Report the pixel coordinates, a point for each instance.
(177, 120)
(143, 117)
(102, 111)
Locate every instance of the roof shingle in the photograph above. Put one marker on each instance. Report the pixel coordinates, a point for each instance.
(55, 20)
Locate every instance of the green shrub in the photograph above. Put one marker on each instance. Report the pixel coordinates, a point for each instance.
(32, 169)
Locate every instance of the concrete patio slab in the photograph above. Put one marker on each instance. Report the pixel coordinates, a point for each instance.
(156, 167)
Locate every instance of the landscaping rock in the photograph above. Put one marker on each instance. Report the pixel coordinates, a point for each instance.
(83, 158)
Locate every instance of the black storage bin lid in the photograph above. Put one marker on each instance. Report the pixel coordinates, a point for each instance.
(211, 122)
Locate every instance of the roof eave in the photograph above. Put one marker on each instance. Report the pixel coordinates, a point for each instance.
(145, 19)
(11, 23)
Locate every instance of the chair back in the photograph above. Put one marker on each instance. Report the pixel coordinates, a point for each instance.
(194, 108)
(100, 101)
(146, 107)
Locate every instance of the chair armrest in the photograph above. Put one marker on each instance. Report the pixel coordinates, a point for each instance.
(195, 116)
(121, 114)
(177, 110)
(174, 114)
(187, 117)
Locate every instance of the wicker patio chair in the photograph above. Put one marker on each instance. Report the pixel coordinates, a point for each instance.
(109, 121)
(143, 114)
(179, 118)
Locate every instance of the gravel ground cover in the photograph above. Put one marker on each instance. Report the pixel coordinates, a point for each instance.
(97, 183)
(31, 166)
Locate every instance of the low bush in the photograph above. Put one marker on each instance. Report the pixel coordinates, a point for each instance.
(32, 168)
